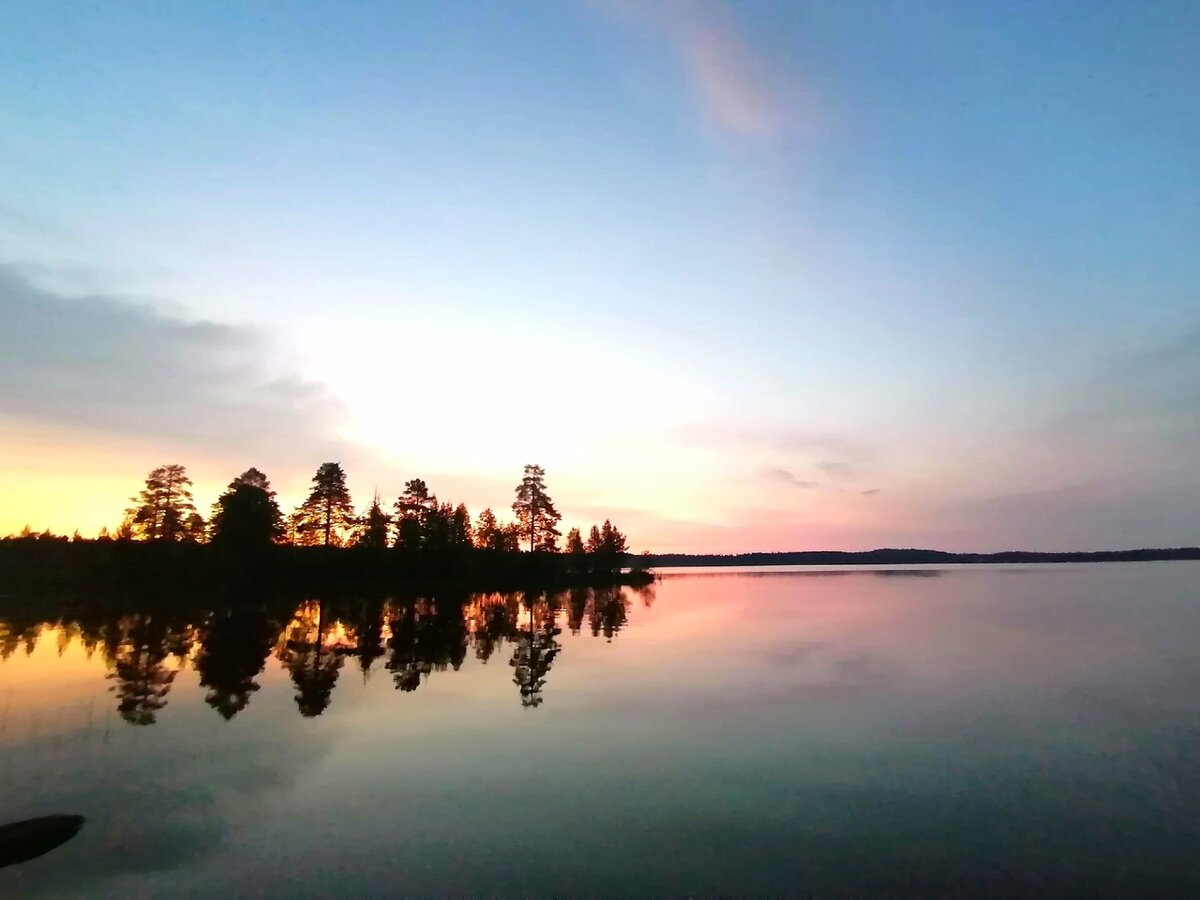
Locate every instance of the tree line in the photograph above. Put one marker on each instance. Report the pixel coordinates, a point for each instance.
(247, 518)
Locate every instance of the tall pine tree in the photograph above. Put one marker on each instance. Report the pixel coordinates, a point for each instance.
(536, 516)
(327, 513)
(164, 510)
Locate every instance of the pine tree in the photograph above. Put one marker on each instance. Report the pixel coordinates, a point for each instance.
(328, 511)
(374, 526)
(612, 540)
(536, 516)
(575, 543)
(595, 544)
(576, 551)
(487, 530)
(246, 515)
(164, 508)
(413, 508)
(460, 528)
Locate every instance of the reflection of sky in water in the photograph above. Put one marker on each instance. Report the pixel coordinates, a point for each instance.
(1032, 727)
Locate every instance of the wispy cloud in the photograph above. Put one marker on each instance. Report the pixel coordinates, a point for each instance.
(784, 476)
(728, 79)
(784, 438)
(106, 364)
(836, 468)
(839, 458)
(723, 70)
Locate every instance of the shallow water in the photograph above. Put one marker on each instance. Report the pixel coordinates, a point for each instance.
(1005, 731)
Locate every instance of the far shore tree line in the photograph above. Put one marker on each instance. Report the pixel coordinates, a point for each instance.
(247, 517)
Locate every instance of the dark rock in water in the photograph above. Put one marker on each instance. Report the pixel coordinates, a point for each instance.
(29, 838)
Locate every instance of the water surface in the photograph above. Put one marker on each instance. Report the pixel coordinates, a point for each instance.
(1006, 730)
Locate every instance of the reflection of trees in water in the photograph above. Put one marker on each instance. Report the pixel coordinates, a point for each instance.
(577, 605)
(426, 636)
(605, 609)
(406, 661)
(415, 637)
(16, 634)
(308, 649)
(608, 612)
(138, 648)
(491, 620)
(536, 648)
(368, 624)
(233, 651)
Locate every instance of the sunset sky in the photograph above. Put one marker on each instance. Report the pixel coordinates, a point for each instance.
(757, 276)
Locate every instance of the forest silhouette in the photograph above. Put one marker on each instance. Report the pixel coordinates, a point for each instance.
(145, 643)
(163, 541)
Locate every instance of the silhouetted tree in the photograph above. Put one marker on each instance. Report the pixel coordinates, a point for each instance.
(486, 529)
(574, 542)
(413, 509)
(510, 538)
(607, 546)
(373, 527)
(613, 540)
(576, 551)
(246, 516)
(460, 528)
(536, 515)
(164, 508)
(194, 528)
(327, 512)
(436, 526)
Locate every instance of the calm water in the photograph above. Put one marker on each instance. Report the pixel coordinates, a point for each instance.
(1010, 730)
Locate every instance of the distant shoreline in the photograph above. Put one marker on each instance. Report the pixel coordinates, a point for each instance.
(908, 557)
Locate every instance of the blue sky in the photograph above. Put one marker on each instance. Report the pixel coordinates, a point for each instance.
(780, 274)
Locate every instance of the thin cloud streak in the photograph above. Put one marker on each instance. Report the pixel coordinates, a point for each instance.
(783, 476)
(723, 70)
(725, 74)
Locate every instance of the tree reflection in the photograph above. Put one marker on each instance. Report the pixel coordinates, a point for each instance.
(608, 612)
(16, 634)
(535, 650)
(233, 651)
(308, 650)
(145, 643)
(407, 661)
(491, 620)
(370, 632)
(577, 606)
(139, 649)
(426, 636)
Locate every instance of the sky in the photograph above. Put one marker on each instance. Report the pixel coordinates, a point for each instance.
(755, 276)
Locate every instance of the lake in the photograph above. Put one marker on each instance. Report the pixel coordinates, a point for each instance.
(991, 731)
